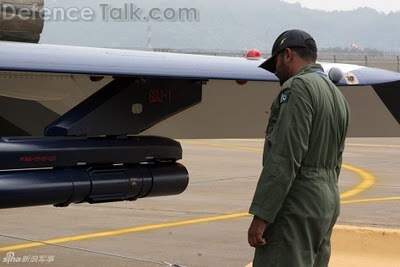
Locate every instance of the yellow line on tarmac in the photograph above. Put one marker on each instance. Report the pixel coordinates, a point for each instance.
(123, 231)
(347, 144)
(245, 140)
(369, 200)
(373, 145)
(368, 180)
(221, 145)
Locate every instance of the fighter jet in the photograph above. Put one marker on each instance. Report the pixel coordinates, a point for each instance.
(72, 118)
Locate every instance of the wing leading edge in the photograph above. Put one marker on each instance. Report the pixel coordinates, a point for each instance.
(23, 57)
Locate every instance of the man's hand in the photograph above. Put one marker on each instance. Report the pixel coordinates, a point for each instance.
(256, 232)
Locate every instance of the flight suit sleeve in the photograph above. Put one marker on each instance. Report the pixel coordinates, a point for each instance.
(289, 144)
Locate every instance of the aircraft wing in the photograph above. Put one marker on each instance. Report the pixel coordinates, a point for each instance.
(42, 58)
(24, 57)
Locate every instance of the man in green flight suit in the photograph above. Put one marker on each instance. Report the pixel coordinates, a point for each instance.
(296, 202)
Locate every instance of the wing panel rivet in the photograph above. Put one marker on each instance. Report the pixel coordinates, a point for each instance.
(137, 108)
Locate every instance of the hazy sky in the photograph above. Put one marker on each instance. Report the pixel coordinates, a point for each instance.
(380, 5)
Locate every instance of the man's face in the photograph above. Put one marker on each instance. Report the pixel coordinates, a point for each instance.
(281, 68)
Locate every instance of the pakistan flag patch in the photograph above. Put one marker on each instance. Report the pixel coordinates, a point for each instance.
(284, 98)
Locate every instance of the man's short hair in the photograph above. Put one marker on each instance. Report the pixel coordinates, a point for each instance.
(306, 53)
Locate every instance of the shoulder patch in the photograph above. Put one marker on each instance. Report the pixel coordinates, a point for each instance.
(284, 98)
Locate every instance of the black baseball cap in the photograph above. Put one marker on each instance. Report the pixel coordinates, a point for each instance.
(290, 38)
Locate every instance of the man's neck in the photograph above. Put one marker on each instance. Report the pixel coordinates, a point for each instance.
(299, 66)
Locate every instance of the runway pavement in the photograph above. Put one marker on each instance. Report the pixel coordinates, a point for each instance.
(207, 224)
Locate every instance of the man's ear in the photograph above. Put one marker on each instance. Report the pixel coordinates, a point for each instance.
(288, 55)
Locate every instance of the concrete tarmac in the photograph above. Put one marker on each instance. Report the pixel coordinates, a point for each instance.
(207, 224)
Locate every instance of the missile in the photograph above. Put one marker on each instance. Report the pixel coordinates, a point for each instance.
(76, 170)
(61, 187)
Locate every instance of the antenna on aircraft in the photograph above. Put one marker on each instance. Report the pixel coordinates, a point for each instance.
(149, 33)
